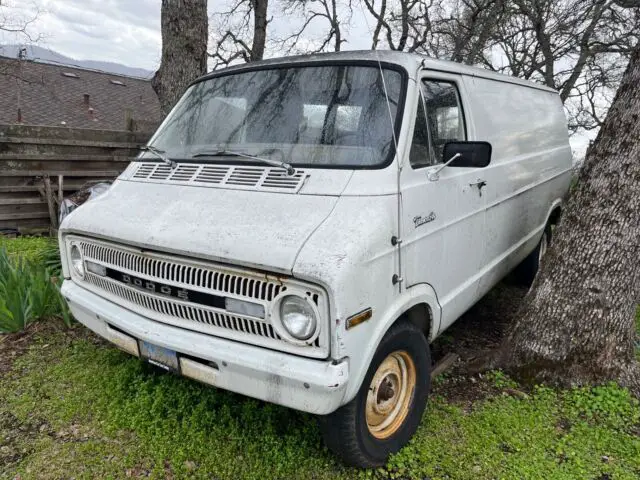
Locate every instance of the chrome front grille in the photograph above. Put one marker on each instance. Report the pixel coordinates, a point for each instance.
(207, 278)
(183, 310)
(180, 273)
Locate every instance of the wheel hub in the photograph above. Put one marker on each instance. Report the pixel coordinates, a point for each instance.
(386, 391)
(390, 394)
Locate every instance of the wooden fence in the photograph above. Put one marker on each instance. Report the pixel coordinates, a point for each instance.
(40, 165)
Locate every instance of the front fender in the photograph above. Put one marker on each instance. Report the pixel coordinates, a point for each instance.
(416, 295)
(351, 255)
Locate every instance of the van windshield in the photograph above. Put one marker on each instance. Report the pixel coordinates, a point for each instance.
(329, 115)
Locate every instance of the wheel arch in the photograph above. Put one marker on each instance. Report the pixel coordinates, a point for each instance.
(421, 315)
(555, 212)
(419, 305)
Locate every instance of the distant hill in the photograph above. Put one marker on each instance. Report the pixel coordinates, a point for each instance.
(45, 55)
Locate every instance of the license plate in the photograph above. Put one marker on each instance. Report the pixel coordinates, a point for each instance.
(160, 356)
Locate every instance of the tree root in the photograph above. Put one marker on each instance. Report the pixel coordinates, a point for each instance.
(630, 379)
(558, 374)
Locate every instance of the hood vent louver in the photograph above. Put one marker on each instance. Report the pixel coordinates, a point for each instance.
(223, 176)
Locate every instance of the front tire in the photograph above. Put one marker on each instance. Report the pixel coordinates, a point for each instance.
(388, 408)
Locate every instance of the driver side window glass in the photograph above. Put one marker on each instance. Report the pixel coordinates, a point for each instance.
(445, 118)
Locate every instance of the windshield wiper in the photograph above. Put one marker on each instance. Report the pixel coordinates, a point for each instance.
(161, 154)
(230, 153)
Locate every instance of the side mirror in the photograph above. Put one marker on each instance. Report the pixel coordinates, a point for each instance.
(470, 154)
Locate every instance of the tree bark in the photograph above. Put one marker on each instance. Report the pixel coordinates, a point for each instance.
(184, 49)
(577, 324)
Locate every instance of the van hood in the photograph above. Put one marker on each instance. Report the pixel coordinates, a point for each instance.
(262, 230)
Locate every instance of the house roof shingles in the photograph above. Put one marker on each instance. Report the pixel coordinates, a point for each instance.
(55, 95)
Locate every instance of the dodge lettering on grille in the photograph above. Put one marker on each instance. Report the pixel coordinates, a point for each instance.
(167, 290)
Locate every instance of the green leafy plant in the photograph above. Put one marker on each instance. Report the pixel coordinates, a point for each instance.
(606, 404)
(49, 257)
(27, 293)
(500, 379)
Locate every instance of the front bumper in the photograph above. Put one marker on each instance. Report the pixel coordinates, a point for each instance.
(303, 384)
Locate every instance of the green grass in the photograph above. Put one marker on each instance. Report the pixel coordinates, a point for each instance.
(73, 407)
(37, 250)
(29, 248)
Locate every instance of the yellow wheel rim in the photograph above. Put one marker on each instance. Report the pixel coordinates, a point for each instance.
(390, 394)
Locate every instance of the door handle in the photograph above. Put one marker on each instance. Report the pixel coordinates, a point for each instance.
(480, 184)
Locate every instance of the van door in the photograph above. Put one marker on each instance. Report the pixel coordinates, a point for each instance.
(443, 220)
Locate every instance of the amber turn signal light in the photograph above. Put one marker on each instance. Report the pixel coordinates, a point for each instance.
(359, 318)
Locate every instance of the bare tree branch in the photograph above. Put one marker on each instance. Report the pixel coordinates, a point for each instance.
(576, 46)
(333, 14)
(406, 23)
(18, 24)
(243, 32)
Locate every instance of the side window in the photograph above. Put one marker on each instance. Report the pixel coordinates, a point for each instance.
(420, 154)
(445, 118)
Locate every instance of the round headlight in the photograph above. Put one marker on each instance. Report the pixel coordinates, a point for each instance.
(297, 317)
(76, 260)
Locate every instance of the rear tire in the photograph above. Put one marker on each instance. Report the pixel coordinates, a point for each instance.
(526, 272)
(388, 408)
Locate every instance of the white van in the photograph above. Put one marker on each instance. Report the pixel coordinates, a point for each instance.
(299, 230)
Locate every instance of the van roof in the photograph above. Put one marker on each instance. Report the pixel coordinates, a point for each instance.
(410, 61)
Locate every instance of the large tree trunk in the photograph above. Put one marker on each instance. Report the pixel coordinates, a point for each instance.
(259, 28)
(184, 49)
(577, 323)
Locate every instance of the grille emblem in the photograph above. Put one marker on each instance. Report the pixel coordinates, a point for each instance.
(154, 287)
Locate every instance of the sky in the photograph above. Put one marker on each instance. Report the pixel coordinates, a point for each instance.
(125, 31)
(122, 31)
